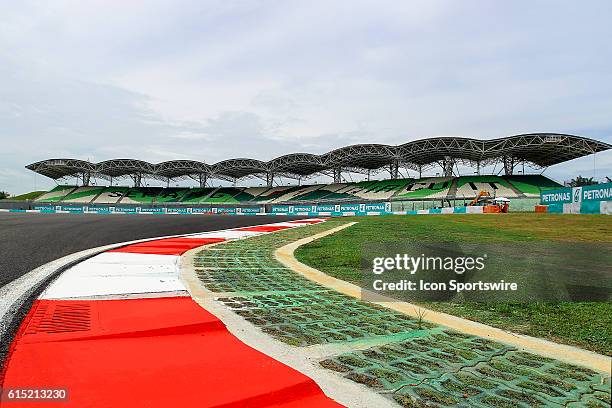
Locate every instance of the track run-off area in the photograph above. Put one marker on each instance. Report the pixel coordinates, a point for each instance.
(213, 319)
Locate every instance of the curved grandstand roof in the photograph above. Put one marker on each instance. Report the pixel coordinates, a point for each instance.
(538, 149)
(58, 168)
(427, 151)
(238, 168)
(181, 168)
(297, 164)
(124, 167)
(361, 156)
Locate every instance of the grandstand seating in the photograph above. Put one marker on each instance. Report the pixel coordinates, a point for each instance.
(152, 195)
(82, 194)
(195, 195)
(110, 195)
(140, 195)
(289, 194)
(368, 190)
(465, 187)
(319, 193)
(470, 186)
(227, 195)
(375, 190)
(271, 194)
(253, 192)
(532, 184)
(431, 187)
(56, 194)
(171, 195)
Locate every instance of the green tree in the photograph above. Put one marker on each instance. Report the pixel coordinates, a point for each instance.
(3, 195)
(582, 181)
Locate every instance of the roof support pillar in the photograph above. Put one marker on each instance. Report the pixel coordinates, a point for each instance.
(270, 179)
(202, 178)
(509, 164)
(447, 164)
(394, 169)
(86, 177)
(338, 175)
(420, 166)
(137, 178)
(478, 167)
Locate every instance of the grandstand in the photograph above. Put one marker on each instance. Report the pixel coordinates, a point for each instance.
(431, 188)
(444, 154)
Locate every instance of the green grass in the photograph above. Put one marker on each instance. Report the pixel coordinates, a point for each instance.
(27, 196)
(584, 324)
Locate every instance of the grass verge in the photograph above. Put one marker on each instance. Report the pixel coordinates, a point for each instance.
(584, 324)
(27, 196)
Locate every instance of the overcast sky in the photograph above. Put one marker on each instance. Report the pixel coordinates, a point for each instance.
(211, 80)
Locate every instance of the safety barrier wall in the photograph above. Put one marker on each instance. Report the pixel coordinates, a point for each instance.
(596, 199)
(100, 209)
(345, 209)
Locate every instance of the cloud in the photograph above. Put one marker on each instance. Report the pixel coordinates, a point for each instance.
(212, 80)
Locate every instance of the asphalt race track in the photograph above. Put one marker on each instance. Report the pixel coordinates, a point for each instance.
(28, 241)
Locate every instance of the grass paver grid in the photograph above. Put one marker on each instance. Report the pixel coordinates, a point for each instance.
(448, 372)
(418, 365)
(318, 317)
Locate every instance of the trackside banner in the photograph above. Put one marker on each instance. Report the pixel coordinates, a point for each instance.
(558, 196)
(178, 210)
(596, 199)
(249, 210)
(151, 210)
(125, 210)
(201, 210)
(334, 209)
(148, 210)
(72, 208)
(44, 208)
(224, 210)
(344, 209)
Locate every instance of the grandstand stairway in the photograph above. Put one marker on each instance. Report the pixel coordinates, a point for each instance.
(452, 191)
(516, 191)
